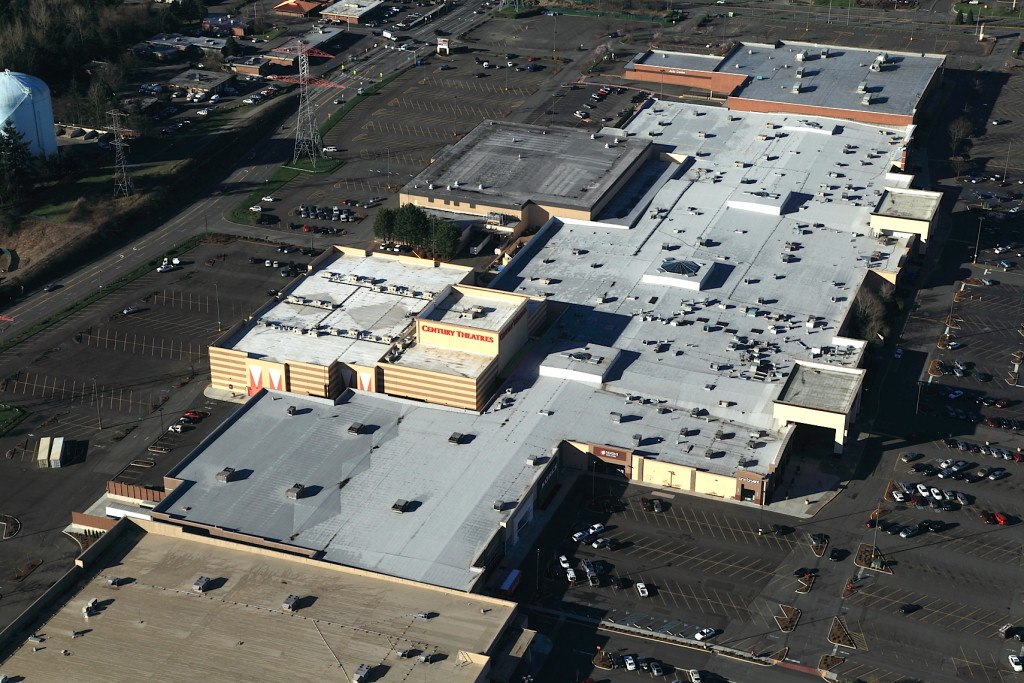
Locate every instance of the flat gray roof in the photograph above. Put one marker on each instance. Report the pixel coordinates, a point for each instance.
(314, 37)
(374, 298)
(155, 627)
(833, 82)
(517, 162)
(179, 41)
(446, 361)
(348, 8)
(728, 349)
(353, 480)
(458, 309)
(821, 388)
(205, 80)
(665, 59)
(916, 204)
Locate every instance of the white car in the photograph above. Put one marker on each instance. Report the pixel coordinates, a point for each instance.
(164, 269)
(1015, 663)
(899, 496)
(923, 490)
(704, 634)
(249, 100)
(570, 574)
(579, 536)
(641, 588)
(257, 208)
(936, 493)
(269, 198)
(595, 528)
(330, 148)
(564, 561)
(203, 112)
(630, 662)
(694, 675)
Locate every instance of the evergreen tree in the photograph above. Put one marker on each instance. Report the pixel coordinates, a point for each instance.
(384, 225)
(959, 16)
(231, 48)
(15, 165)
(970, 16)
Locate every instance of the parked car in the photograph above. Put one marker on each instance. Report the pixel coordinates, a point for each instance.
(600, 543)
(704, 634)
(1002, 518)
(595, 528)
(907, 609)
(564, 562)
(911, 457)
(641, 588)
(630, 662)
(910, 532)
(987, 517)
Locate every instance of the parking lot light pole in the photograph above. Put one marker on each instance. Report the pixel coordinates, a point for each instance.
(977, 242)
(95, 399)
(216, 294)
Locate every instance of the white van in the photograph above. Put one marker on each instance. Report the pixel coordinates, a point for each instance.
(215, 98)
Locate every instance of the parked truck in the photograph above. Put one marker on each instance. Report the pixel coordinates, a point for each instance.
(480, 246)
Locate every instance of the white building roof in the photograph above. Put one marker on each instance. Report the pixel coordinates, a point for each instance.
(372, 298)
(782, 286)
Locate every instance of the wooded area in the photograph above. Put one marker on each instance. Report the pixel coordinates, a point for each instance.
(54, 39)
(430, 236)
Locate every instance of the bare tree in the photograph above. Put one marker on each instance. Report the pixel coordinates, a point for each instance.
(959, 129)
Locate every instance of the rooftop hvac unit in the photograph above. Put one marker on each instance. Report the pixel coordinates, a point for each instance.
(114, 581)
(290, 604)
(455, 438)
(225, 475)
(295, 492)
(498, 505)
(201, 584)
(800, 72)
(866, 100)
(862, 87)
(355, 428)
(795, 89)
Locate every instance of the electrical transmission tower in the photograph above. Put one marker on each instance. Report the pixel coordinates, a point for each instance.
(122, 181)
(307, 137)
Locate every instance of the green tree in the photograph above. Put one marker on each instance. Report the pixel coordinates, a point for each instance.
(444, 239)
(384, 225)
(16, 170)
(959, 16)
(970, 16)
(411, 226)
(231, 48)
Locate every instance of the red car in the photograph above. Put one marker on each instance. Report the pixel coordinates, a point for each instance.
(1002, 519)
(987, 517)
(1002, 403)
(196, 414)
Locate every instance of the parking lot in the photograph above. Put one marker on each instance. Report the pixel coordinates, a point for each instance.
(704, 564)
(112, 384)
(389, 138)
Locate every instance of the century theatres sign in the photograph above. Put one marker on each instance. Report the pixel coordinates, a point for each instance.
(609, 453)
(459, 334)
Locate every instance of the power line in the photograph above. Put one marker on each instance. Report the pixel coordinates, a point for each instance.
(122, 180)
